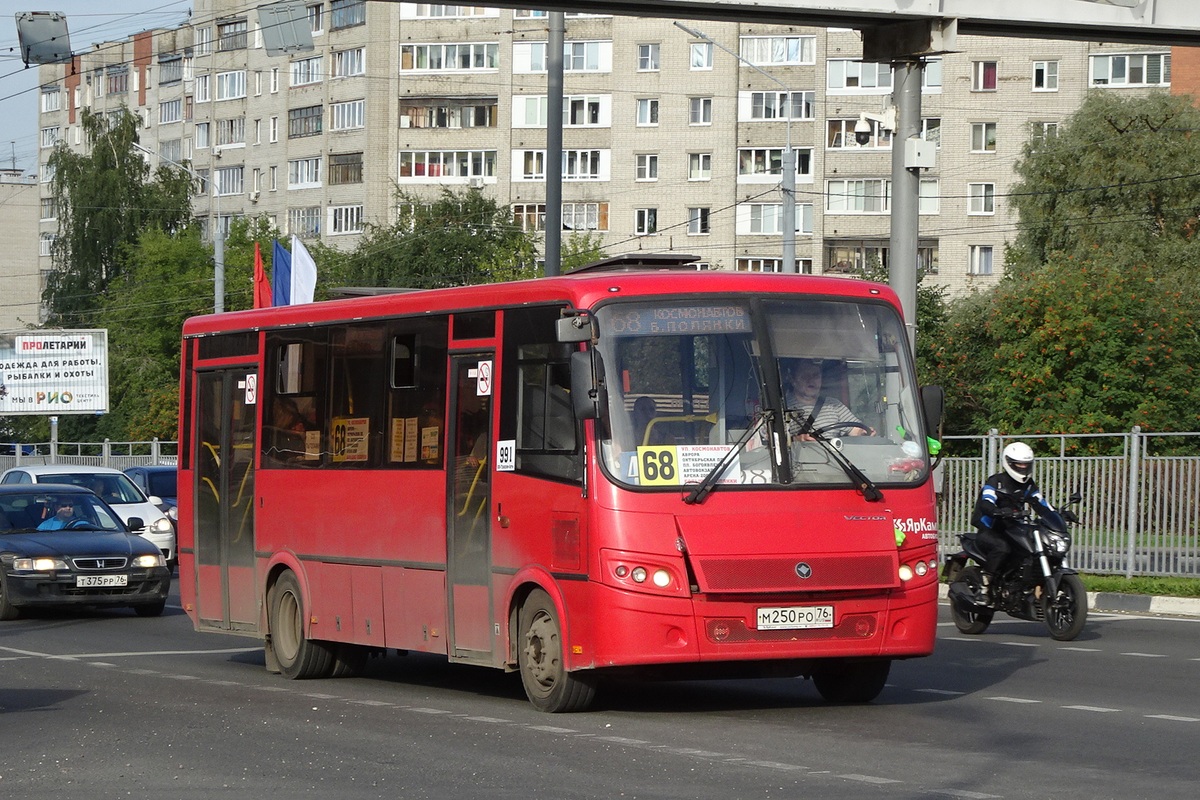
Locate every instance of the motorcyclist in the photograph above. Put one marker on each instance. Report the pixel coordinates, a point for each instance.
(1002, 498)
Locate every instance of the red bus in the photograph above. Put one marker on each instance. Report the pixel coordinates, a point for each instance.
(570, 477)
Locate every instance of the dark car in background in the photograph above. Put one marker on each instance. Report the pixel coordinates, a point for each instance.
(62, 546)
(158, 480)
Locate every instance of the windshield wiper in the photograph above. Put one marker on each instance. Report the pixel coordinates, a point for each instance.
(704, 487)
(864, 485)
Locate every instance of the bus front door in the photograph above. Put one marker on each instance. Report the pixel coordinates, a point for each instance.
(468, 554)
(224, 493)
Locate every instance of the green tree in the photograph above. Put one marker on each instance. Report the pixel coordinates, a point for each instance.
(581, 248)
(1123, 175)
(457, 240)
(106, 197)
(1078, 347)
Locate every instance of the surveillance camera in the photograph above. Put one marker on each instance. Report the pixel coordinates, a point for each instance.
(863, 132)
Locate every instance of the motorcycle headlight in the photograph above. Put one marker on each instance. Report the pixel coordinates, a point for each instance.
(1057, 544)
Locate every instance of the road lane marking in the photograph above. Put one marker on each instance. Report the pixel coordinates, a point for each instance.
(1083, 649)
(939, 691)
(1020, 644)
(868, 779)
(1098, 709)
(1014, 700)
(1145, 655)
(1172, 718)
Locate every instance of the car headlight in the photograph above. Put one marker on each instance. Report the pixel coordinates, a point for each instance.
(161, 525)
(43, 564)
(173, 513)
(148, 561)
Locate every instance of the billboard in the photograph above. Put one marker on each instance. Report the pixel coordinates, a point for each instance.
(54, 372)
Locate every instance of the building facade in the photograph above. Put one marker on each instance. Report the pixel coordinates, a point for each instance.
(23, 207)
(670, 141)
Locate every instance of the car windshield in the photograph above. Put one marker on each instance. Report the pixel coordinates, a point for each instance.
(115, 489)
(42, 510)
(827, 384)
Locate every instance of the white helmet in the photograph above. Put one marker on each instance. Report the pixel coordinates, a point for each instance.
(1018, 461)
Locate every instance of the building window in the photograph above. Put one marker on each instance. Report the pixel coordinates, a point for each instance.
(346, 219)
(782, 105)
(117, 80)
(304, 122)
(306, 71)
(699, 166)
(231, 131)
(347, 116)
(50, 136)
(698, 221)
(647, 58)
(647, 111)
(931, 130)
(1147, 69)
(701, 55)
(170, 111)
(1042, 131)
(347, 13)
(433, 165)
(586, 56)
(345, 168)
(51, 100)
(453, 114)
(983, 137)
(49, 208)
(700, 110)
(861, 196)
(533, 165)
(981, 259)
(46, 244)
(229, 181)
(779, 50)
(464, 57)
(231, 85)
(231, 35)
(347, 63)
(928, 197)
(1045, 76)
(647, 167)
(585, 216)
(529, 217)
(583, 165)
(202, 137)
(304, 173)
(585, 111)
(839, 135)
(305, 222)
(202, 41)
(170, 70)
(845, 75)
(983, 76)
(767, 163)
(316, 17)
(981, 198)
(645, 221)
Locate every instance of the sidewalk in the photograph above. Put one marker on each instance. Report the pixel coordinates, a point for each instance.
(1133, 603)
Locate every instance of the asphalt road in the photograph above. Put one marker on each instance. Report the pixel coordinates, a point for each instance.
(107, 705)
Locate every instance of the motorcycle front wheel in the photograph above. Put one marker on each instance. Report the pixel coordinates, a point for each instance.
(1066, 612)
(970, 619)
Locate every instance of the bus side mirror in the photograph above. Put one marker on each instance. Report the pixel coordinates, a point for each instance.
(574, 329)
(589, 396)
(933, 402)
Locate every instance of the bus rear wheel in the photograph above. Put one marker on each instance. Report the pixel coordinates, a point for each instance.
(298, 657)
(548, 684)
(851, 681)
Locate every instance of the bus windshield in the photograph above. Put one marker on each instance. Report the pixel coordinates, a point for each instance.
(805, 390)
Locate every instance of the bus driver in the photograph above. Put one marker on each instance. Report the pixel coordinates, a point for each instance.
(804, 401)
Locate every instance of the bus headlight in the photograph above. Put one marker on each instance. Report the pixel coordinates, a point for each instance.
(638, 574)
(662, 578)
(906, 573)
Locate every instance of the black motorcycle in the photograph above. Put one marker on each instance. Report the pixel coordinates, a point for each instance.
(1034, 583)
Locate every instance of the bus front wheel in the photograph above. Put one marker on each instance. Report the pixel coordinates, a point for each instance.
(298, 657)
(548, 684)
(851, 681)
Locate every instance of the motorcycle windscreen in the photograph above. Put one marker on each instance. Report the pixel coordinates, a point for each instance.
(821, 552)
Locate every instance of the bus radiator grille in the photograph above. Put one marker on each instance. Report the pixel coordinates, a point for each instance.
(783, 574)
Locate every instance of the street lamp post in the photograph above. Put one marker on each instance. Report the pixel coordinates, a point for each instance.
(787, 163)
(214, 227)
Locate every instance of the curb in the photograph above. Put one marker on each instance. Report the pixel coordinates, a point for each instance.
(1132, 603)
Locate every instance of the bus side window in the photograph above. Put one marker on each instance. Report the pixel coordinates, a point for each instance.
(536, 404)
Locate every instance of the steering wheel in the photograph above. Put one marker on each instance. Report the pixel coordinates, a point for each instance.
(78, 525)
(846, 424)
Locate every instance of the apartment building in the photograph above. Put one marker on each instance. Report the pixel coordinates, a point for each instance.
(21, 301)
(670, 142)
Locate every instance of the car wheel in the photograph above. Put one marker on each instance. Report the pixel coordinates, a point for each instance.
(151, 609)
(7, 609)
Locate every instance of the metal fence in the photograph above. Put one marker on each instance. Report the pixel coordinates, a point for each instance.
(93, 454)
(1140, 513)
